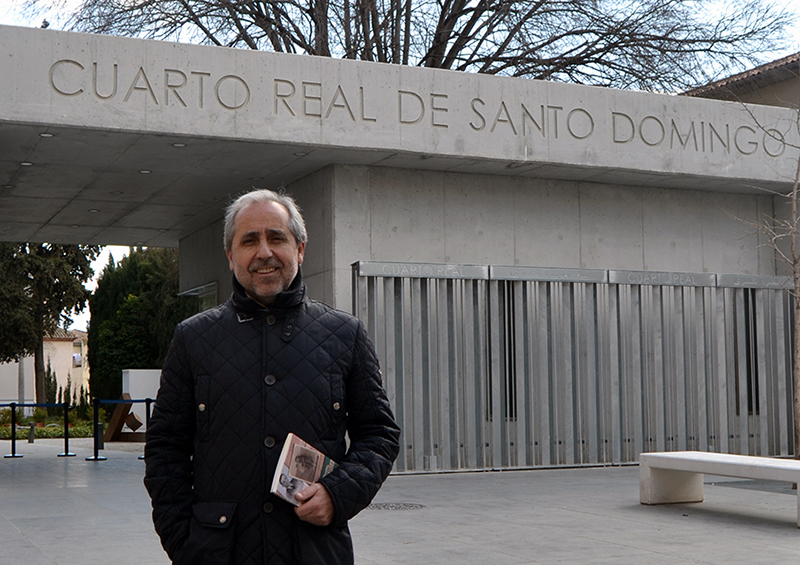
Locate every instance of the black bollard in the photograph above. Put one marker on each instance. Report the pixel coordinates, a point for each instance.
(98, 432)
(147, 402)
(31, 433)
(13, 453)
(66, 433)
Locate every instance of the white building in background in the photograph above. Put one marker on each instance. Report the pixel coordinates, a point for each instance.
(65, 351)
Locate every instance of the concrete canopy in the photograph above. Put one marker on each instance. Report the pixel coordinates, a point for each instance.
(123, 188)
(110, 140)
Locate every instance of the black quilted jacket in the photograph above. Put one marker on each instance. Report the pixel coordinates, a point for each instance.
(237, 379)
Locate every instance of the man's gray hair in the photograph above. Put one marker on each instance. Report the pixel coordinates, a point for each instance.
(296, 223)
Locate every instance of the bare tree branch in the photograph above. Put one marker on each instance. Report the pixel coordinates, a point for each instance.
(667, 45)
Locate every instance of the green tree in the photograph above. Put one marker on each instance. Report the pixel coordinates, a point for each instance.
(40, 286)
(134, 312)
(50, 386)
(18, 336)
(649, 44)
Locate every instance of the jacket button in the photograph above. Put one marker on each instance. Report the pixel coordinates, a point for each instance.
(223, 519)
(271, 319)
(270, 379)
(269, 441)
(267, 507)
(336, 405)
(201, 407)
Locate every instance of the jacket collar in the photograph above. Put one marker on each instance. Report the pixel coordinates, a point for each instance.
(289, 298)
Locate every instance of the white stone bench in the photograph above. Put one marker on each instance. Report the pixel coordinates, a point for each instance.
(677, 476)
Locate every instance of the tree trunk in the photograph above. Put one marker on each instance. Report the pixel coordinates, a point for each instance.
(21, 380)
(38, 368)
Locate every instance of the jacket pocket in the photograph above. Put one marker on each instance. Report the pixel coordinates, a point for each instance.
(211, 535)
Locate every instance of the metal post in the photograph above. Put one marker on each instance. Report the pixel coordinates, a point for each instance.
(147, 402)
(13, 453)
(66, 433)
(96, 421)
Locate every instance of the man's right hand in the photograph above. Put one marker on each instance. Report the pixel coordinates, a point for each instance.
(316, 506)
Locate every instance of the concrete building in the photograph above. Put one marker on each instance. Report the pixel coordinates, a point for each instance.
(553, 274)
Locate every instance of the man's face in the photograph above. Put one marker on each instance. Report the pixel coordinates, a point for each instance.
(264, 255)
(304, 462)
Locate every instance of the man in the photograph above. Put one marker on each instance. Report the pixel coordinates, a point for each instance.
(240, 377)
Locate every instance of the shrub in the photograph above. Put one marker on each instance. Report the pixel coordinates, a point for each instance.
(39, 415)
(52, 431)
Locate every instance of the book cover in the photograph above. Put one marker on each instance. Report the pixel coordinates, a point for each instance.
(300, 464)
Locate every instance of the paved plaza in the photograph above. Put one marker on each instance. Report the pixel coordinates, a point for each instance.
(69, 511)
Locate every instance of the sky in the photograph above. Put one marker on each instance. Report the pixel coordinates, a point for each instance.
(80, 321)
(11, 14)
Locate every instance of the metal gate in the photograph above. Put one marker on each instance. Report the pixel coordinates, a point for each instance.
(498, 367)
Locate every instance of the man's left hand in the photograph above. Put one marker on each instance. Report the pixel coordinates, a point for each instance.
(316, 506)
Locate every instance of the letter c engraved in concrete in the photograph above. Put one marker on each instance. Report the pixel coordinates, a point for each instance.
(630, 125)
(421, 106)
(241, 81)
(53, 70)
(660, 125)
(588, 126)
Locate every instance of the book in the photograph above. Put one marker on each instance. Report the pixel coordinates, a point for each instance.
(299, 465)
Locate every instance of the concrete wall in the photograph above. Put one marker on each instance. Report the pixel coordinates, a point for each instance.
(202, 260)
(384, 214)
(315, 196)
(356, 213)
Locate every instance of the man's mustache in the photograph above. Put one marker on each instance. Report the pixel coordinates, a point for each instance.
(264, 264)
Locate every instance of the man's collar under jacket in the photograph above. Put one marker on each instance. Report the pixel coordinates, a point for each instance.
(286, 299)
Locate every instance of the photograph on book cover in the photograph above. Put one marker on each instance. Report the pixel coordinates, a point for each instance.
(288, 487)
(304, 463)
